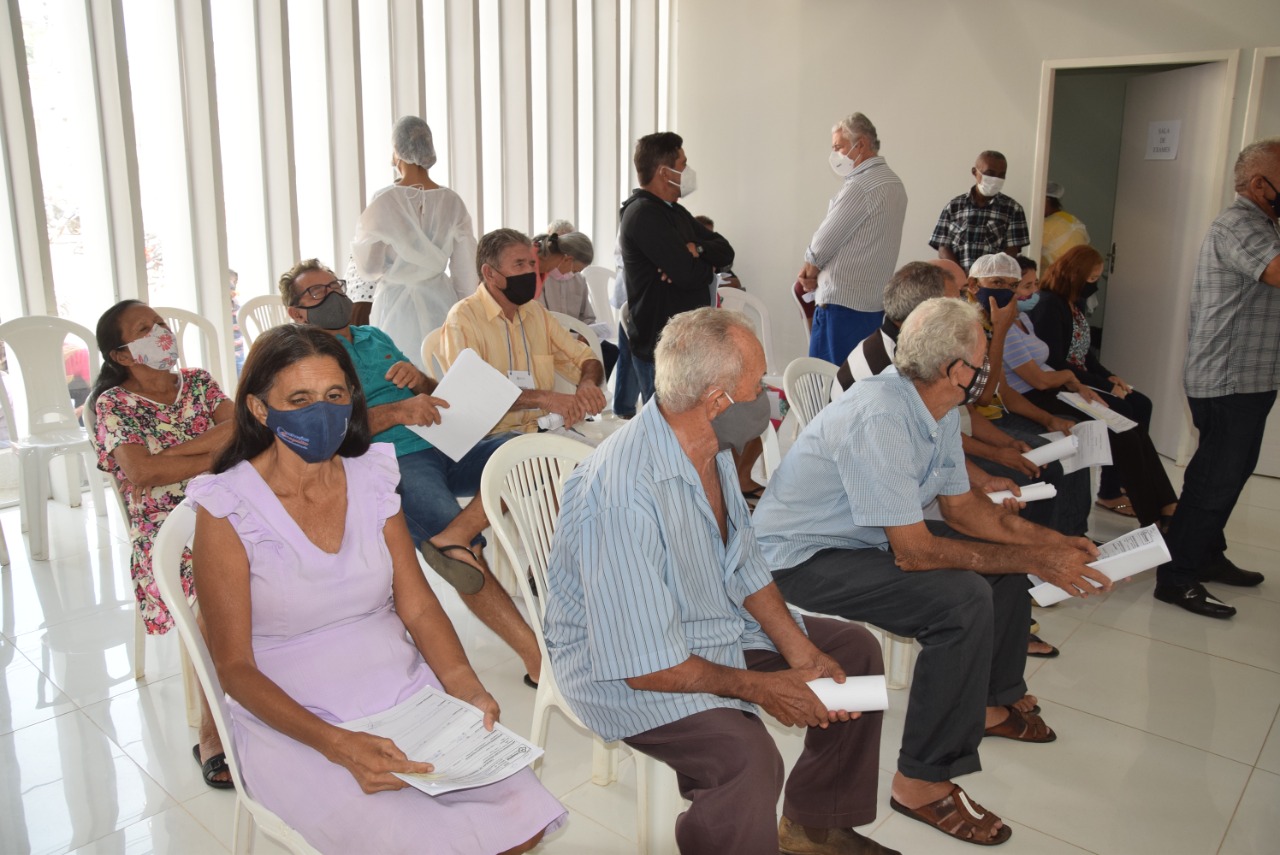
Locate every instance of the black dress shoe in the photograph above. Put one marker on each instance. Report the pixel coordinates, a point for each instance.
(1195, 599)
(1228, 573)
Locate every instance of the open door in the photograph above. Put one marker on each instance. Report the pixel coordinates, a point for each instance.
(1160, 220)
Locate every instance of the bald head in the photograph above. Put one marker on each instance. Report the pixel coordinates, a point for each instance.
(955, 275)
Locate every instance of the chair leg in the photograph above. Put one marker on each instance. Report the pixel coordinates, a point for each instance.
(900, 659)
(658, 804)
(38, 536)
(140, 648)
(604, 762)
(242, 830)
(4, 550)
(191, 688)
(95, 483)
(26, 486)
(541, 721)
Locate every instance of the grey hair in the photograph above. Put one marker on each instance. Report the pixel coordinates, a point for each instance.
(576, 245)
(695, 353)
(935, 335)
(560, 227)
(412, 142)
(1252, 160)
(489, 250)
(857, 125)
(915, 282)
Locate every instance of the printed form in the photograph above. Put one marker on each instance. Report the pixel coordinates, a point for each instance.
(1127, 555)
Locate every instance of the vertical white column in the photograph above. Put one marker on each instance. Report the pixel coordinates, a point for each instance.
(517, 132)
(275, 119)
(465, 154)
(346, 126)
(562, 111)
(408, 64)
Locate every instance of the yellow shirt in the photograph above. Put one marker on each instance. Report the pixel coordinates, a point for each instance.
(478, 323)
(1062, 231)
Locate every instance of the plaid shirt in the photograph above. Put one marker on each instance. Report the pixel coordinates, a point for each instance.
(1233, 341)
(972, 232)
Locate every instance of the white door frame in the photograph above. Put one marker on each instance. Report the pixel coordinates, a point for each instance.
(1044, 119)
(1252, 106)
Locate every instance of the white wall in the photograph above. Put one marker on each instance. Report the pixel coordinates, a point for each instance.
(761, 82)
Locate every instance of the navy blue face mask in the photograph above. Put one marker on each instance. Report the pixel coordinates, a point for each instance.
(1002, 297)
(313, 432)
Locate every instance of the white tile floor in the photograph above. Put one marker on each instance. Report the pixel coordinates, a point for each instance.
(1168, 739)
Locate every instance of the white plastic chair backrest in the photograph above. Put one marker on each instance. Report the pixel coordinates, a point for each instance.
(180, 320)
(756, 311)
(804, 316)
(772, 455)
(430, 344)
(807, 382)
(599, 280)
(166, 561)
(526, 476)
(36, 342)
(574, 325)
(261, 314)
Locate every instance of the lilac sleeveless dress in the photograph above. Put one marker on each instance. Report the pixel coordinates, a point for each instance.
(325, 632)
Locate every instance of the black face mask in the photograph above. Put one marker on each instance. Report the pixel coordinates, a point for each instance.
(1275, 200)
(521, 288)
(978, 384)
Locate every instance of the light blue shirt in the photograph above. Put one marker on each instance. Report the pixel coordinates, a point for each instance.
(874, 458)
(640, 580)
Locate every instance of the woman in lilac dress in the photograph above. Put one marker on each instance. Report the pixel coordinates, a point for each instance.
(318, 613)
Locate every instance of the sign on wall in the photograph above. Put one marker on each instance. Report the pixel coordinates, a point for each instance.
(1162, 139)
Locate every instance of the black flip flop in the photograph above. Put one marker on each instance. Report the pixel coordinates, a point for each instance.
(1053, 651)
(465, 578)
(215, 765)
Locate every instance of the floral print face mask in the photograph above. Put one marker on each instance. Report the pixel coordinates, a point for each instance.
(158, 349)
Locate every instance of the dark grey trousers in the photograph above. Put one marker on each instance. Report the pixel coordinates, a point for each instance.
(972, 630)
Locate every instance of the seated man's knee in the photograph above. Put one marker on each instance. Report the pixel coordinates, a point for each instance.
(964, 598)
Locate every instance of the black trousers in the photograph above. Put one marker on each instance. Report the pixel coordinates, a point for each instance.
(973, 635)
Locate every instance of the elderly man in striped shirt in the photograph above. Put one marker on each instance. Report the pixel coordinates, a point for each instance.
(665, 629)
(854, 250)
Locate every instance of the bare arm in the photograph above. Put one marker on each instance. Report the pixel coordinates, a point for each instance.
(945, 251)
(221, 570)
(1015, 403)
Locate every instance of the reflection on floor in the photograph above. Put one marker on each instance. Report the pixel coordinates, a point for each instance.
(1168, 741)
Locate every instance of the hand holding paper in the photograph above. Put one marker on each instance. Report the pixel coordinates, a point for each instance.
(1118, 559)
(1030, 493)
(1055, 450)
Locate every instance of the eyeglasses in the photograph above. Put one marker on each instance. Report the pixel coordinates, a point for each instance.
(319, 292)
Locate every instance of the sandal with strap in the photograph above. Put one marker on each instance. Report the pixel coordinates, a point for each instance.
(958, 816)
(213, 767)
(1121, 506)
(465, 578)
(1022, 727)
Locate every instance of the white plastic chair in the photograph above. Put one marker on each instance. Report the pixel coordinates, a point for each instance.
(166, 559)
(756, 311)
(526, 477)
(261, 314)
(599, 280)
(52, 429)
(807, 382)
(574, 325)
(430, 344)
(179, 321)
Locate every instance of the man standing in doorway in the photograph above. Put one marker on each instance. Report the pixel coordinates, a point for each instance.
(853, 253)
(1062, 229)
(669, 258)
(983, 221)
(1231, 377)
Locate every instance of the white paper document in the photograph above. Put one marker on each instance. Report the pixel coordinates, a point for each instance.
(1056, 450)
(1094, 449)
(1127, 555)
(478, 395)
(432, 727)
(855, 694)
(1030, 493)
(1114, 420)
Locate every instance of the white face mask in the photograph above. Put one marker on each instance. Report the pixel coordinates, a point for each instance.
(688, 180)
(989, 185)
(158, 349)
(840, 163)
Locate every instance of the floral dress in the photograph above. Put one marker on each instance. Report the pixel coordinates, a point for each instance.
(126, 418)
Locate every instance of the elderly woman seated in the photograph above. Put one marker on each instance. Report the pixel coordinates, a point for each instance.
(318, 613)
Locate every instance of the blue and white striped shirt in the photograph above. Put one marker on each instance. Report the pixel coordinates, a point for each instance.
(872, 459)
(640, 580)
(856, 245)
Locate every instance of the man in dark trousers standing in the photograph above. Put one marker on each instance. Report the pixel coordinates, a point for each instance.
(670, 259)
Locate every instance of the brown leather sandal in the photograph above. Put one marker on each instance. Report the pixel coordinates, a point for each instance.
(957, 815)
(1022, 727)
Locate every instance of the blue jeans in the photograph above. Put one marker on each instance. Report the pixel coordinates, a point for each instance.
(431, 484)
(644, 372)
(1231, 429)
(838, 330)
(625, 387)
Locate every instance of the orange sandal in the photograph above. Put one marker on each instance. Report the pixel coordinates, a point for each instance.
(957, 815)
(1022, 727)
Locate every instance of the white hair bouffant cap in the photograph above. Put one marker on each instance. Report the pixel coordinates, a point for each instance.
(997, 264)
(411, 140)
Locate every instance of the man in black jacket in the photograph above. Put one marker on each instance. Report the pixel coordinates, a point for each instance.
(670, 259)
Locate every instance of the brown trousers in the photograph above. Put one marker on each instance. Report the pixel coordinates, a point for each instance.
(728, 766)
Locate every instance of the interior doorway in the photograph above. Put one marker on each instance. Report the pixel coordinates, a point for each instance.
(1146, 211)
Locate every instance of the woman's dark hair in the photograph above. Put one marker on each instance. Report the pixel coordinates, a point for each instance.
(1066, 276)
(1025, 263)
(110, 339)
(272, 352)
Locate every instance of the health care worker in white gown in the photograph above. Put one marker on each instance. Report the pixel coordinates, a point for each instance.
(416, 242)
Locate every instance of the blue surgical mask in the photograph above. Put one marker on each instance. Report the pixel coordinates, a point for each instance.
(1029, 303)
(313, 432)
(1002, 297)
